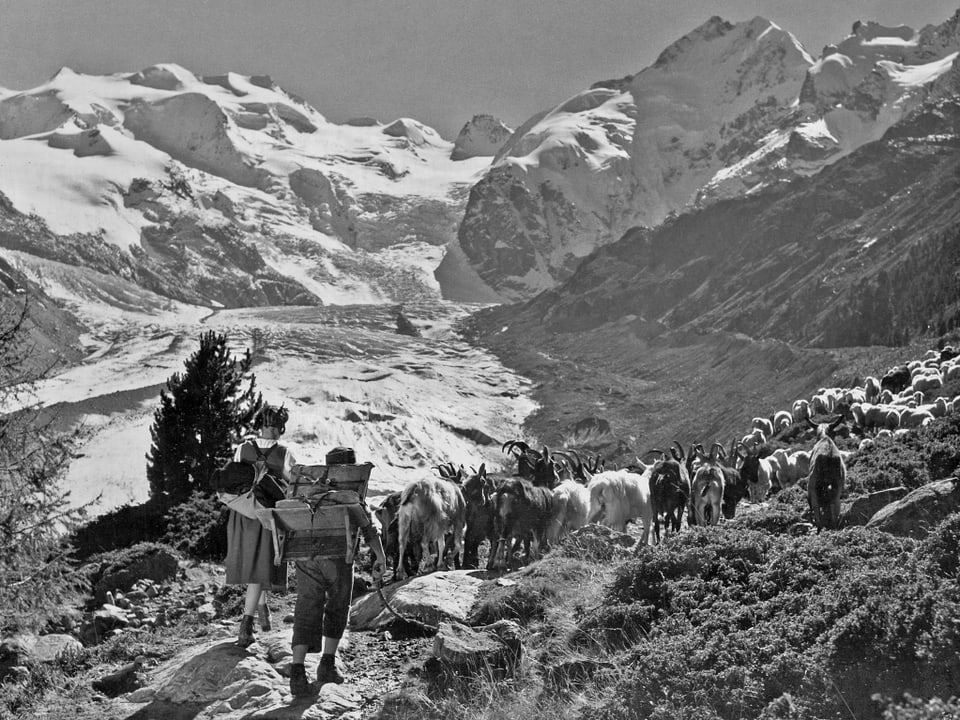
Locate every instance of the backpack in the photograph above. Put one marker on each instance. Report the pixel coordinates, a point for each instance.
(247, 487)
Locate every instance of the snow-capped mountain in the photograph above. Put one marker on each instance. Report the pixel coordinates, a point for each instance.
(223, 190)
(483, 136)
(727, 110)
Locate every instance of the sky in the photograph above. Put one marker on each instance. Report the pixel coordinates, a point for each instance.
(438, 61)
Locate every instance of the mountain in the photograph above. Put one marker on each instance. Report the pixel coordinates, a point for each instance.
(726, 111)
(749, 303)
(223, 191)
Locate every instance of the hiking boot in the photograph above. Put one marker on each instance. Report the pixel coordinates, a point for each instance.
(327, 673)
(245, 636)
(299, 685)
(263, 613)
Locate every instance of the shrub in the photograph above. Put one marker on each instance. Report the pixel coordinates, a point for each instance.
(120, 528)
(198, 527)
(727, 622)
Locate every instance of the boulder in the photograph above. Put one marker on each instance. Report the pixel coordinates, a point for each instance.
(462, 650)
(920, 511)
(229, 682)
(866, 506)
(426, 598)
(20, 649)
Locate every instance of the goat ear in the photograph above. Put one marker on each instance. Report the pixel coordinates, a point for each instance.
(482, 472)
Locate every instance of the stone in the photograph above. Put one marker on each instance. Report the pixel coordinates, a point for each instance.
(426, 598)
(920, 511)
(465, 650)
(866, 506)
(21, 649)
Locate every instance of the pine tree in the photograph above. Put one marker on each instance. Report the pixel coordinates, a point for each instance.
(203, 413)
(36, 575)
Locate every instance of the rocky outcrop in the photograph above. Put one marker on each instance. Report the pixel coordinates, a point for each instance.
(919, 512)
(863, 508)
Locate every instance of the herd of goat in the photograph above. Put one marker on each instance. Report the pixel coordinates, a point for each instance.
(434, 520)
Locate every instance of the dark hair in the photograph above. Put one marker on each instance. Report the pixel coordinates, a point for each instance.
(272, 416)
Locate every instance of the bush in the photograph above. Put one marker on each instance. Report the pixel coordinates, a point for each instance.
(198, 527)
(120, 528)
(727, 622)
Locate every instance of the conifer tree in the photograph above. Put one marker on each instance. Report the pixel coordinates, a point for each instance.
(203, 413)
(36, 576)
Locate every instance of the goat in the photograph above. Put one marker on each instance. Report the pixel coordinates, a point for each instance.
(669, 490)
(571, 504)
(619, 496)
(522, 513)
(388, 514)
(759, 474)
(707, 490)
(431, 507)
(827, 477)
(478, 490)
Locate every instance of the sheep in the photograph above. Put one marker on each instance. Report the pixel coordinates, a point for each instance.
(871, 389)
(571, 504)
(619, 496)
(927, 382)
(431, 507)
(782, 419)
(827, 477)
(801, 411)
(762, 424)
(914, 418)
(753, 440)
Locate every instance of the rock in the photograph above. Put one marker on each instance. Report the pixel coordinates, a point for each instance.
(427, 598)
(920, 511)
(207, 612)
(865, 507)
(126, 568)
(462, 650)
(102, 624)
(21, 649)
(121, 681)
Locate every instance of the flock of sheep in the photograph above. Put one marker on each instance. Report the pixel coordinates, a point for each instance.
(553, 493)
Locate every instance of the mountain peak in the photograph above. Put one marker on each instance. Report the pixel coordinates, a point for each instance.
(483, 136)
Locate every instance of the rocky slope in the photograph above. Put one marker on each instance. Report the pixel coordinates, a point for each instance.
(726, 111)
